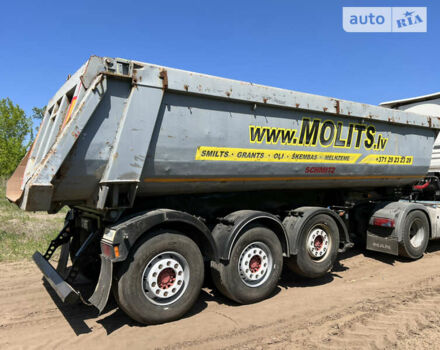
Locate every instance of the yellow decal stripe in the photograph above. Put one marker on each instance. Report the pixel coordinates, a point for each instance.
(266, 155)
(387, 159)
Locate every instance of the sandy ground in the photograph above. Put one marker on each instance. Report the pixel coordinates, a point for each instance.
(369, 301)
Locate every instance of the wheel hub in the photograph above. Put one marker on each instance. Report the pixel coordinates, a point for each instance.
(255, 264)
(165, 278)
(317, 243)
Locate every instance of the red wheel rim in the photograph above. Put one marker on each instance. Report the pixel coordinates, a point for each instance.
(255, 263)
(318, 243)
(166, 278)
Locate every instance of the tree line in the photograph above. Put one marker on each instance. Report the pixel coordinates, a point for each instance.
(16, 134)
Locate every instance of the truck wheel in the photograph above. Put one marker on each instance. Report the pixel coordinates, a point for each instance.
(254, 268)
(415, 235)
(161, 278)
(318, 247)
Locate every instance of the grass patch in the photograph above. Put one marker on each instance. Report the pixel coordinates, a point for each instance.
(21, 232)
(20, 246)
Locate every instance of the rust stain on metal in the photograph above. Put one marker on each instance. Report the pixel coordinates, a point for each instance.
(297, 105)
(134, 78)
(337, 107)
(186, 87)
(264, 99)
(228, 93)
(325, 109)
(49, 154)
(164, 76)
(81, 106)
(430, 122)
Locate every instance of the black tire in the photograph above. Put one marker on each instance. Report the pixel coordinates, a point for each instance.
(415, 235)
(136, 300)
(227, 277)
(306, 265)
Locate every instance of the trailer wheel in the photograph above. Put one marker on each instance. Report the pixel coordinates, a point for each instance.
(415, 235)
(254, 268)
(318, 245)
(161, 278)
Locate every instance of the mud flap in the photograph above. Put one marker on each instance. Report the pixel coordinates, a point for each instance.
(102, 290)
(387, 244)
(62, 261)
(64, 290)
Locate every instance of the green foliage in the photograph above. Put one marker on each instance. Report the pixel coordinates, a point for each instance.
(20, 246)
(15, 135)
(38, 113)
(23, 232)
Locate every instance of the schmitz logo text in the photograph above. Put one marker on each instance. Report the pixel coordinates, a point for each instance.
(384, 19)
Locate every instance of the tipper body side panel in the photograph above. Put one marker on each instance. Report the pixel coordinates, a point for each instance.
(124, 129)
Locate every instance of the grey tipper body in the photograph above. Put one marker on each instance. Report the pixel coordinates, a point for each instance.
(136, 129)
(168, 172)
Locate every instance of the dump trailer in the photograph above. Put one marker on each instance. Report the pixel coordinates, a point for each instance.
(168, 173)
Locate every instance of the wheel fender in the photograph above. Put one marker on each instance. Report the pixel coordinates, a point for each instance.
(398, 211)
(230, 228)
(127, 231)
(295, 222)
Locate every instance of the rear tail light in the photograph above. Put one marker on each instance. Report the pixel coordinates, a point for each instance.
(110, 250)
(384, 222)
(107, 250)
